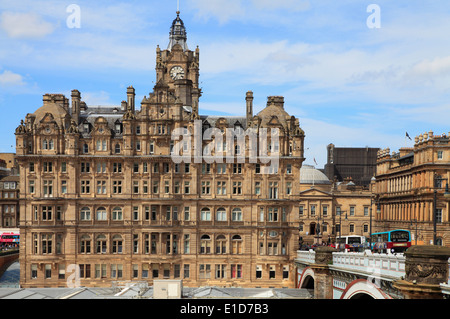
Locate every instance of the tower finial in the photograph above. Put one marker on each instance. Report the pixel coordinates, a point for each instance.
(178, 7)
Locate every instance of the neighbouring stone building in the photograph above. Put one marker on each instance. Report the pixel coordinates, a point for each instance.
(323, 200)
(100, 188)
(412, 184)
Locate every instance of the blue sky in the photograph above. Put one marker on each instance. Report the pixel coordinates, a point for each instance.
(349, 84)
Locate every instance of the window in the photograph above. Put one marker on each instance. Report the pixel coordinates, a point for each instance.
(31, 187)
(205, 214)
(206, 187)
(272, 215)
(221, 214)
(366, 211)
(85, 187)
(85, 244)
(438, 215)
(324, 211)
(288, 188)
(48, 188)
(206, 168)
(101, 213)
(186, 187)
(117, 167)
(221, 168)
(186, 213)
(237, 168)
(186, 244)
(85, 213)
(117, 244)
(221, 188)
(440, 155)
(288, 169)
(85, 167)
(100, 244)
(352, 228)
(48, 167)
(313, 210)
(236, 271)
(273, 190)
(117, 148)
(101, 187)
(352, 210)
(85, 148)
(204, 271)
(63, 187)
(101, 167)
(117, 187)
(236, 214)
(63, 167)
(236, 244)
(46, 242)
(221, 271)
(237, 188)
(117, 213)
(205, 244)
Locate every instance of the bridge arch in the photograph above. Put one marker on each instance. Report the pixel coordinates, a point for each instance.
(363, 289)
(307, 279)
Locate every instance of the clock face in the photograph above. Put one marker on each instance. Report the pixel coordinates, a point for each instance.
(177, 72)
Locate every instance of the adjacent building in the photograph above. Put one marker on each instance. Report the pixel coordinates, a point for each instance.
(412, 188)
(357, 163)
(131, 194)
(329, 209)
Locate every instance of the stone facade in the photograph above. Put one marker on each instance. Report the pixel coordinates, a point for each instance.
(102, 191)
(412, 183)
(321, 201)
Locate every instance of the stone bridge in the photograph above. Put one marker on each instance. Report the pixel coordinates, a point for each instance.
(422, 272)
(7, 258)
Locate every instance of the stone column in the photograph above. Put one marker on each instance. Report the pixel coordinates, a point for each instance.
(426, 268)
(323, 281)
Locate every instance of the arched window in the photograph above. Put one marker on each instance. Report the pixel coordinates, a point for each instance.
(85, 213)
(85, 148)
(205, 214)
(117, 213)
(117, 244)
(236, 215)
(221, 244)
(117, 148)
(100, 244)
(51, 145)
(205, 244)
(85, 244)
(45, 144)
(236, 244)
(221, 214)
(101, 213)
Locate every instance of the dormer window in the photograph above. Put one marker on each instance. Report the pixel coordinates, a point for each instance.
(86, 127)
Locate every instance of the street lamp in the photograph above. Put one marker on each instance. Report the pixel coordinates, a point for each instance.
(340, 225)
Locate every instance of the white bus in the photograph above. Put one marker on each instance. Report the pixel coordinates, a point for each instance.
(351, 243)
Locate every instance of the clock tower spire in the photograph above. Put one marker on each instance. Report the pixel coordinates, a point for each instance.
(177, 69)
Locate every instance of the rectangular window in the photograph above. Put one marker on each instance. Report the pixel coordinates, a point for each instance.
(257, 188)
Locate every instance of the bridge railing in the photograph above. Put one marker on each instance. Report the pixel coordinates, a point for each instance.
(306, 256)
(364, 263)
(372, 264)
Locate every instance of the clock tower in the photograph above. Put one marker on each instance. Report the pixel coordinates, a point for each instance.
(177, 67)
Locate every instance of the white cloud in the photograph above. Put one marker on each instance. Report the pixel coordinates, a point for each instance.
(9, 78)
(24, 25)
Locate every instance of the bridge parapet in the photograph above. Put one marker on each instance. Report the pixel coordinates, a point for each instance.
(388, 266)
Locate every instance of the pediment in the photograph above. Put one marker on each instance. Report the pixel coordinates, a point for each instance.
(314, 192)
